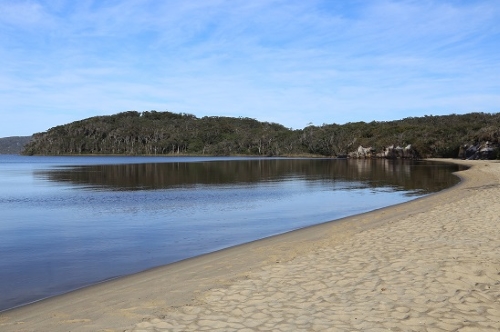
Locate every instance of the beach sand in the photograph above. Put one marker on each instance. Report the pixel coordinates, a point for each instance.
(432, 264)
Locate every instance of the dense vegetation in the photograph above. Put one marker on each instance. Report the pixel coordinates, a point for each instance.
(13, 144)
(163, 133)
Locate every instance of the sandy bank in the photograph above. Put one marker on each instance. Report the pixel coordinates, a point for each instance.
(432, 264)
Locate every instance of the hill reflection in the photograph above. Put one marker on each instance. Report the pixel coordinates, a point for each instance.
(422, 177)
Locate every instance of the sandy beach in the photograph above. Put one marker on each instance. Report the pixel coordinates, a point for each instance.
(432, 264)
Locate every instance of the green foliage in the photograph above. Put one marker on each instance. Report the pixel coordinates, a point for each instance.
(163, 133)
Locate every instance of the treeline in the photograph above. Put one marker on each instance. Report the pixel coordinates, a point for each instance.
(165, 133)
(13, 144)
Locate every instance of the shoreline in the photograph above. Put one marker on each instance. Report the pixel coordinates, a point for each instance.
(150, 296)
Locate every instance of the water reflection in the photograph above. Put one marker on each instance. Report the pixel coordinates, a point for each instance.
(421, 177)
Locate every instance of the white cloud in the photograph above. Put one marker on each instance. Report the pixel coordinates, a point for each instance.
(291, 62)
(22, 14)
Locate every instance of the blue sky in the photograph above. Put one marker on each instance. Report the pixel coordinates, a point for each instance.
(290, 62)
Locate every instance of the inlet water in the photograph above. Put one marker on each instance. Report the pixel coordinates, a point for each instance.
(68, 222)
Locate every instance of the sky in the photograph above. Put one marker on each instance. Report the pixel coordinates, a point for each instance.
(292, 62)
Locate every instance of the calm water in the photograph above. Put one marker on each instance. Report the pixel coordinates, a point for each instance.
(67, 222)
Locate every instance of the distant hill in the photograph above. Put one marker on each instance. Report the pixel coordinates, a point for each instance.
(13, 144)
(473, 135)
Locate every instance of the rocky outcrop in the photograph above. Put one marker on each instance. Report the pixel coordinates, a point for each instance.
(389, 152)
(484, 150)
(398, 152)
(362, 153)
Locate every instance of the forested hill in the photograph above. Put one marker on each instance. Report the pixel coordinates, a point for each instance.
(13, 144)
(163, 133)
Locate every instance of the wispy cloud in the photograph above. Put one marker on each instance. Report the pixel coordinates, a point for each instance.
(22, 14)
(292, 62)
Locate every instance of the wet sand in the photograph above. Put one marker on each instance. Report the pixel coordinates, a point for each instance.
(432, 264)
